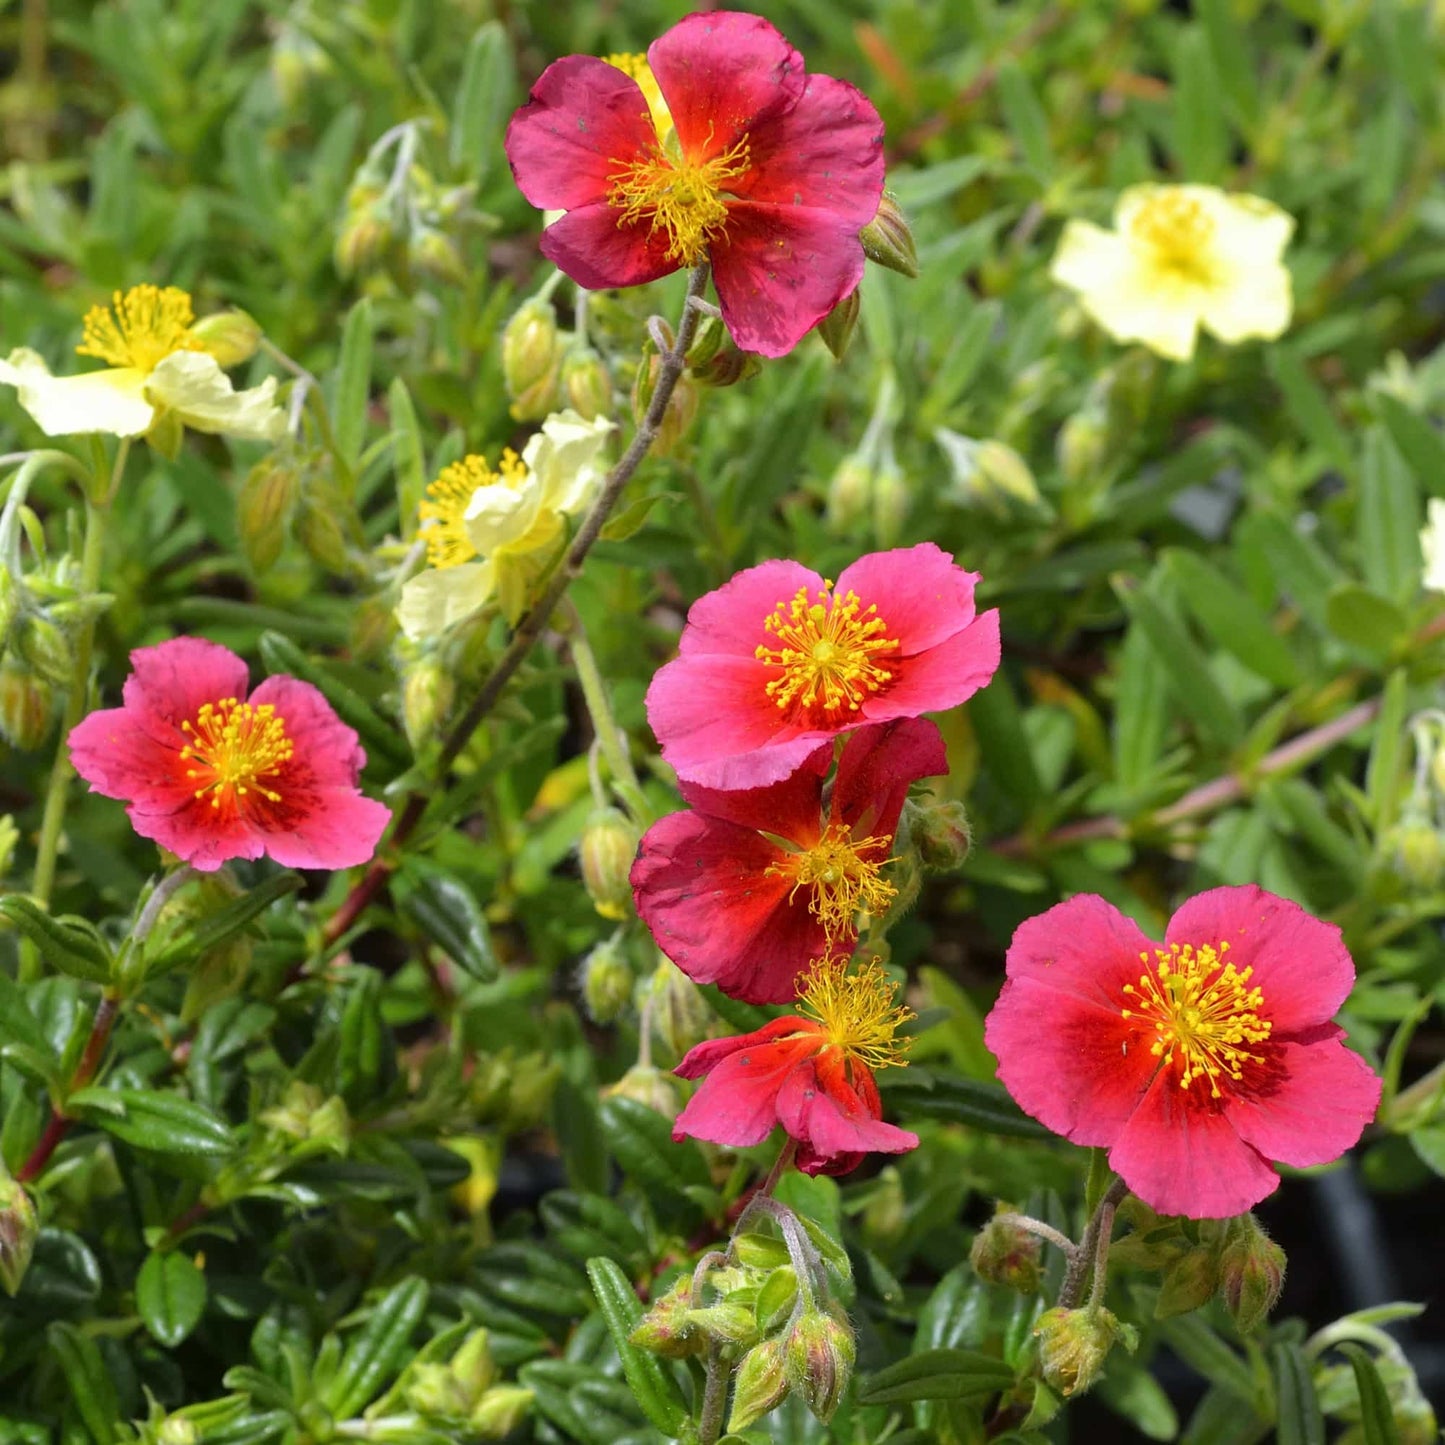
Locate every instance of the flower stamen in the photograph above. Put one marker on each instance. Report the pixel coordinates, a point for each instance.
(676, 196)
(235, 744)
(1178, 234)
(842, 879)
(444, 509)
(857, 1012)
(140, 328)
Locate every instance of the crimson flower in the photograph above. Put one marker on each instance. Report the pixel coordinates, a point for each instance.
(777, 660)
(1194, 1062)
(213, 774)
(747, 888)
(811, 1072)
(768, 172)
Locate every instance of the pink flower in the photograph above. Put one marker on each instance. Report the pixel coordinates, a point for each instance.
(1194, 1062)
(751, 886)
(777, 661)
(212, 774)
(769, 172)
(811, 1072)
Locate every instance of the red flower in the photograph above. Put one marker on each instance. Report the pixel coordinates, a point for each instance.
(770, 173)
(1195, 1062)
(749, 887)
(777, 661)
(211, 774)
(811, 1073)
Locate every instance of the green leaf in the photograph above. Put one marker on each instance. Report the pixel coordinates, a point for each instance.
(1419, 443)
(1377, 1420)
(92, 1391)
(1225, 610)
(408, 456)
(484, 99)
(447, 912)
(208, 933)
(1383, 771)
(379, 1351)
(1131, 1391)
(17, 1024)
(1025, 116)
(1364, 619)
(71, 945)
(353, 385)
(641, 1139)
(365, 1057)
(631, 519)
(975, 1102)
(1298, 1419)
(1141, 714)
(1201, 140)
(1198, 1345)
(148, 1119)
(1309, 409)
(170, 1293)
(1233, 65)
(654, 1389)
(1387, 520)
(936, 1375)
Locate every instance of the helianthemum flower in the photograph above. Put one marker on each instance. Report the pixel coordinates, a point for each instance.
(1178, 258)
(779, 660)
(769, 173)
(1194, 1062)
(811, 1072)
(494, 533)
(212, 773)
(749, 887)
(163, 367)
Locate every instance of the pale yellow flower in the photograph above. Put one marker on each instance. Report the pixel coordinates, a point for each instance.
(492, 534)
(1181, 257)
(164, 368)
(1432, 546)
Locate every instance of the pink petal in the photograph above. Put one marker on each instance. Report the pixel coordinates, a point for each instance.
(703, 1058)
(730, 618)
(722, 73)
(825, 153)
(942, 677)
(877, 765)
(1314, 1104)
(1300, 964)
(331, 750)
(198, 834)
(339, 828)
(1083, 948)
(921, 593)
(170, 681)
(779, 270)
(584, 117)
(1181, 1155)
(120, 759)
(791, 809)
(737, 1102)
(834, 1121)
(598, 253)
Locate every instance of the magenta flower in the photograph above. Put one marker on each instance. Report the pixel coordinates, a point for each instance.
(777, 661)
(768, 172)
(1194, 1062)
(213, 774)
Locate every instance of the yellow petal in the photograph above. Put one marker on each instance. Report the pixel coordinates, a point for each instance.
(1432, 546)
(565, 458)
(110, 401)
(192, 384)
(1253, 295)
(440, 597)
(499, 515)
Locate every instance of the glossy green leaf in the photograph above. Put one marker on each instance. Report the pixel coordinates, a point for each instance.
(196, 940)
(654, 1389)
(1377, 1420)
(71, 945)
(162, 1122)
(379, 1350)
(1298, 1419)
(170, 1293)
(485, 98)
(92, 1392)
(936, 1375)
(436, 901)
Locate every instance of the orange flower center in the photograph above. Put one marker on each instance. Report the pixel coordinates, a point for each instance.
(140, 328)
(233, 746)
(673, 195)
(1178, 233)
(828, 652)
(842, 880)
(857, 1012)
(1201, 1010)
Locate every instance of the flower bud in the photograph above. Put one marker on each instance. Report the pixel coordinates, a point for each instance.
(1073, 1345)
(1251, 1274)
(27, 706)
(888, 238)
(654, 1087)
(850, 494)
(177, 1430)
(433, 254)
(680, 411)
(990, 475)
(760, 1385)
(727, 1323)
(938, 829)
(263, 510)
(531, 360)
(531, 1083)
(10, 602)
(586, 383)
(433, 1392)
(365, 233)
(426, 701)
(473, 1366)
(892, 501)
(1418, 853)
(45, 647)
(715, 359)
(838, 326)
(679, 1012)
(18, 1227)
(230, 336)
(818, 1356)
(1007, 1254)
(500, 1411)
(326, 523)
(1189, 1283)
(1081, 446)
(608, 846)
(607, 981)
(669, 1328)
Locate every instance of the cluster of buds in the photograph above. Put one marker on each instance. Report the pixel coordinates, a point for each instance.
(510, 1091)
(463, 1397)
(990, 476)
(545, 371)
(1415, 847)
(317, 1123)
(294, 491)
(868, 490)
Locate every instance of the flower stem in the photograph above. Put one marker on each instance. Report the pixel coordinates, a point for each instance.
(1056, 1237)
(1088, 1252)
(529, 629)
(714, 1399)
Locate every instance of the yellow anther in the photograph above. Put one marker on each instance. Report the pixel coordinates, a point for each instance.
(673, 195)
(843, 878)
(1178, 233)
(140, 328)
(234, 746)
(857, 1011)
(443, 511)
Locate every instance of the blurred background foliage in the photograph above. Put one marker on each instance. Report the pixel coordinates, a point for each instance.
(1216, 641)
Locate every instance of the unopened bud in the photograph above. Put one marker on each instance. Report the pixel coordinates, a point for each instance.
(607, 981)
(27, 705)
(657, 1088)
(888, 238)
(432, 1391)
(263, 510)
(45, 647)
(587, 384)
(432, 253)
(500, 1411)
(530, 1086)
(669, 1327)
(1073, 1345)
(426, 702)
(892, 501)
(727, 1323)
(679, 1012)
(990, 474)
(1419, 853)
(679, 413)
(177, 1430)
(1189, 1283)
(715, 359)
(531, 360)
(364, 235)
(326, 523)
(1007, 1254)
(1081, 447)
(838, 326)
(938, 829)
(18, 1227)
(230, 336)
(761, 1384)
(1251, 1275)
(818, 1361)
(473, 1366)
(850, 494)
(607, 848)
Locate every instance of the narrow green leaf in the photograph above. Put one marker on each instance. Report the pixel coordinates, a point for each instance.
(199, 939)
(632, 518)
(1131, 1391)
(936, 1375)
(92, 1391)
(654, 1389)
(408, 456)
(641, 1139)
(149, 1119)
(1197, 1344)
(1201, 139)
(1233, 64)
(1383, 772)
(1377, 1420)
(1298, 1421)
(975, 1102)
(1226, 611)
(484, 98)
(1309, 409)
(170, 1293)
(1296, 565)
(1420, 444)
(17, 1024)
(1360, 616)
(353, 385)
(446, 910)
(70, 945)
(1387, 520)
(379, 1351)
(1025, 116)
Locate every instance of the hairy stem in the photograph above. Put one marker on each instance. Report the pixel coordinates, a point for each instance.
(1087, 1254)
(1056, 1237)
(714, 1399)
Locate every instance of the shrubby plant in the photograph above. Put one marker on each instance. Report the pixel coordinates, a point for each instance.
(686, 761)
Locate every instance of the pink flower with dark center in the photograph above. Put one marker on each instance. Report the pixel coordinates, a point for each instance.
(749, 887)
(212, 773)
(768, 172)
(1195, 1062)
(778, 660)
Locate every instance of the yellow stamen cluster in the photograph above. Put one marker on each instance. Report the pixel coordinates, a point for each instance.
(857, 1011)
(141, 327)
(686, 201)
(1201, 1009)
(444, 509)
(1178, 233)
(841, 878)
(828, 652)
(236, 745)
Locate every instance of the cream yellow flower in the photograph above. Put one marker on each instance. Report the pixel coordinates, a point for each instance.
(1432, 546)
(1181, 257)
(493, 533)
(164, 367)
